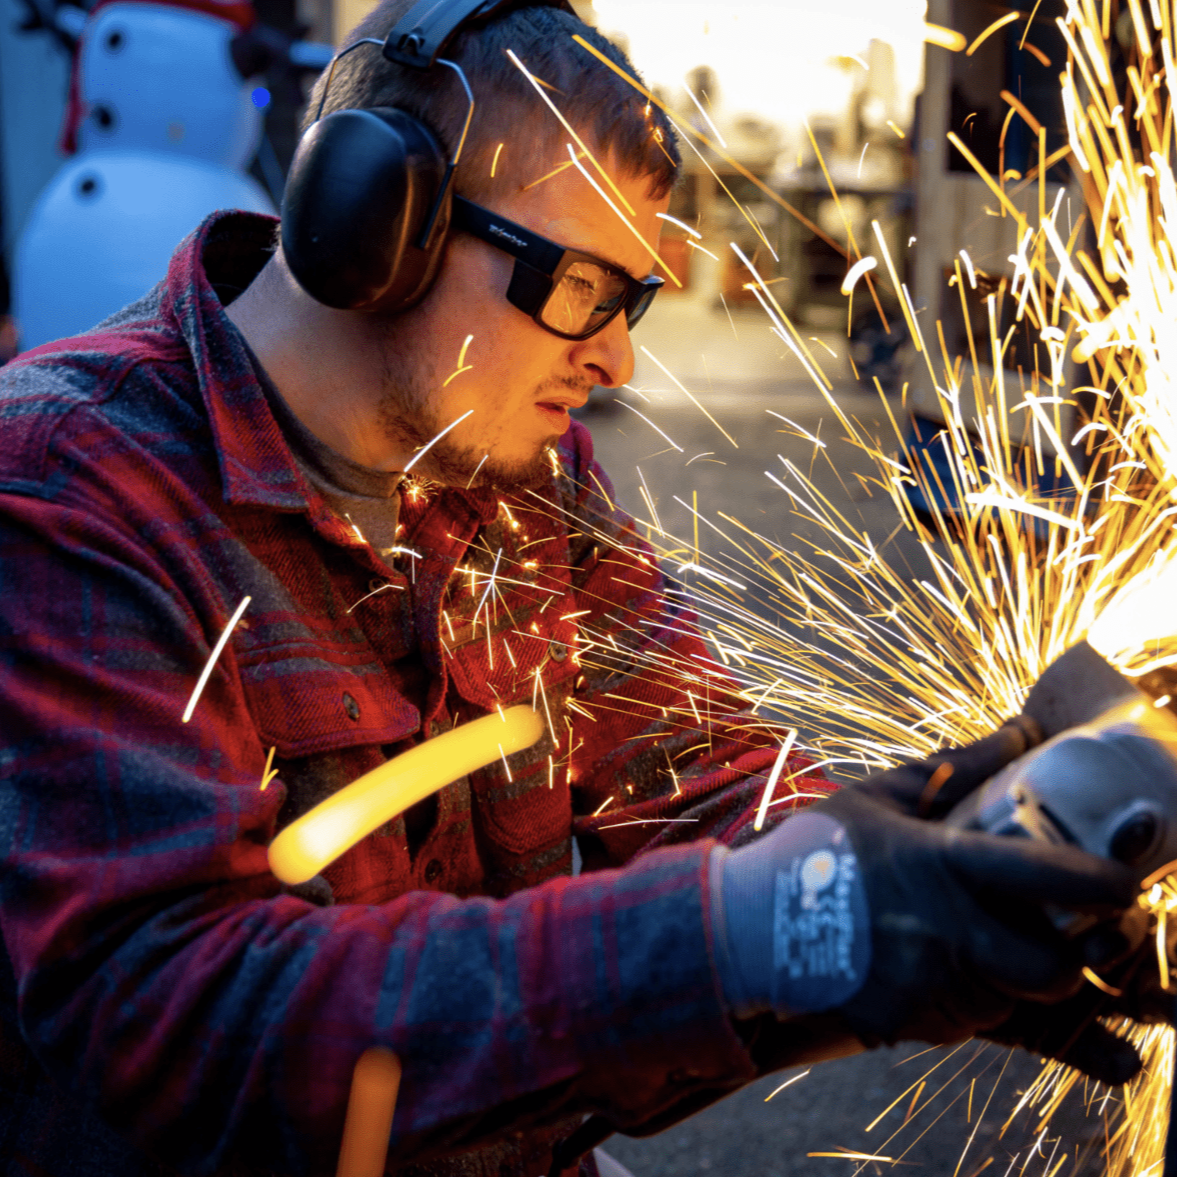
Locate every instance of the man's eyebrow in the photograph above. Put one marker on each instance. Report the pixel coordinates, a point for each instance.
(615, 264)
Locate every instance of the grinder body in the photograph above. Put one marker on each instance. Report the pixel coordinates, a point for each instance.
(1104, 780)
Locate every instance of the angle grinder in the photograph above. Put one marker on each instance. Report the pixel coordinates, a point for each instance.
(1104, 780)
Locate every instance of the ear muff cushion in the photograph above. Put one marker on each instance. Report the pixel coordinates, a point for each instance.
(360, 188)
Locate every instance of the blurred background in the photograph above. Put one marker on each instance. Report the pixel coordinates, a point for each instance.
(822, 135)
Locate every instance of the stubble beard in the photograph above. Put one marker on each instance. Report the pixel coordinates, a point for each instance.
(409, 420)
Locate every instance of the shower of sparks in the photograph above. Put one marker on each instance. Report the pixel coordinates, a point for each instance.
(690, 396)
(222, 641)
(873, 665)
(584, 151)
(621, 216)
(433, 441)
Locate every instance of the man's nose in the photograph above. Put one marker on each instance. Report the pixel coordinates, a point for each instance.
(607, 357)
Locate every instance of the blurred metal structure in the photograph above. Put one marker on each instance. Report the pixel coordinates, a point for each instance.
(957, 213)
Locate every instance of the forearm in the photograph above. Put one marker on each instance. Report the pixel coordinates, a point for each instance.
(226, 1024)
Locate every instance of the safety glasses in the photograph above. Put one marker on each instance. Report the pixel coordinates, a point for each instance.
(571, 294)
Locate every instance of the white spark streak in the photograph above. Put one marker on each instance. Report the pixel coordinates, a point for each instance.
(651, 424)
(856, 271)
(382, 589)
(476, 469)
(212, 659)
(682, 225)
(714, 128)
(429, 445)
(787, 1083)
(773, 777)
(691, 566)
(804, 433)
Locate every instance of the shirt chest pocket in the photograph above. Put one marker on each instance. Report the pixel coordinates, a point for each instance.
(497, 664)
(315, 699)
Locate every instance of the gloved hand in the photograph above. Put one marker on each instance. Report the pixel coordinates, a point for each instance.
(867, 906)
(1070, 1030)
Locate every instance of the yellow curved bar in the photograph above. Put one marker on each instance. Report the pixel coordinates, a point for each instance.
(319, 837)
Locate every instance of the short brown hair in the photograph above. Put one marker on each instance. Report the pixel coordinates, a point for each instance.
(607, 112)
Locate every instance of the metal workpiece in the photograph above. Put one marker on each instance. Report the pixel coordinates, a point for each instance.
(1078, 688)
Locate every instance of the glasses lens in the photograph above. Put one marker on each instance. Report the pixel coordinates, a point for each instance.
(584, 299)
(641, 306)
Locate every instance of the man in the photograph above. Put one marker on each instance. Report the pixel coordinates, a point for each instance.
(168, 1005)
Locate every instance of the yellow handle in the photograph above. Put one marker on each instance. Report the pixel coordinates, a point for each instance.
(319, 837)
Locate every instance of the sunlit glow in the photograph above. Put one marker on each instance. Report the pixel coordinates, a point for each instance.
(774, 61)
(1141, 616)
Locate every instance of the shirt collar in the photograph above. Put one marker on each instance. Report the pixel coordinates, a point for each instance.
(225, 253)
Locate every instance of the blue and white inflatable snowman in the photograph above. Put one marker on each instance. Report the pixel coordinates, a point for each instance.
(163, 125)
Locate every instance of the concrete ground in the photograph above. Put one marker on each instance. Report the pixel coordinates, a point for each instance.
(738, 370)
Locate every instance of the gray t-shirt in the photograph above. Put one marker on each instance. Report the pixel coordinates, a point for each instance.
(367, 499)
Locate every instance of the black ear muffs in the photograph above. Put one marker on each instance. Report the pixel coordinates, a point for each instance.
(360, 191)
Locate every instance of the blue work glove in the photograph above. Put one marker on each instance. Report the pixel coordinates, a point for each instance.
(867, 907)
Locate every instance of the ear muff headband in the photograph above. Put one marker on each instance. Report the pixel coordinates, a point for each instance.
(366, 209)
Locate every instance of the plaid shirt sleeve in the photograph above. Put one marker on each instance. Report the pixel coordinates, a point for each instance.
(161, 976)
(666, 747)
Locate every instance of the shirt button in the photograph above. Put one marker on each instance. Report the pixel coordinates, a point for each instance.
(376, 584)
(433, 870)
(557, 651)
(351, 706)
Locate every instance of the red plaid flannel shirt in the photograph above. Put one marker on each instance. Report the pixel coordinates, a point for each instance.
(166, 1004)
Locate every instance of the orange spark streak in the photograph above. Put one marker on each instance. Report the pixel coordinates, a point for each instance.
(375, 1085)
(999, 23)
